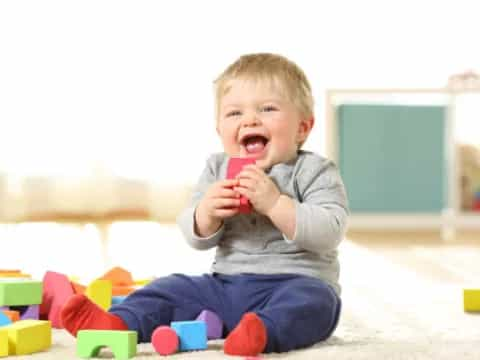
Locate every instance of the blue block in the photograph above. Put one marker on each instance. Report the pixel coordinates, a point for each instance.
(192, 334)
(4, 319)
(117, 299)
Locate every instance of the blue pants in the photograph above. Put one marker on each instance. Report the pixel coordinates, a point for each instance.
(298, 311)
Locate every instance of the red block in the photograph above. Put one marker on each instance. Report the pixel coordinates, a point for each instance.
(235, 165)
(165, 340)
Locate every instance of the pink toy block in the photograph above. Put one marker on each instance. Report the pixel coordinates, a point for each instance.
(214, 324)
(56, 291)
(165, 340)
(235, 165)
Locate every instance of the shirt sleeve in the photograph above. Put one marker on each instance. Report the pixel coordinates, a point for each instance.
(321, 214)
(186, 219)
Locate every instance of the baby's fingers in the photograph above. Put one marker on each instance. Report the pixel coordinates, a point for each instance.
(226, 203)
(225, 193)
(225, 213)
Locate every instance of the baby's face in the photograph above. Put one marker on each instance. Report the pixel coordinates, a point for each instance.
(256, 121)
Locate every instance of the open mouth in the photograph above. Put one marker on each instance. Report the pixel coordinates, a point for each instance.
(254, 144)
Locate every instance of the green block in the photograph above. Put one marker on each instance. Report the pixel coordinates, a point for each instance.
(17, 292)
(123, 344)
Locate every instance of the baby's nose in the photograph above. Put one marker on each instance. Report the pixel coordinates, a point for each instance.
(251, 120)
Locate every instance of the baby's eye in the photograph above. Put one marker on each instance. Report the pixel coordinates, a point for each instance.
(268, 108)
(233, 113)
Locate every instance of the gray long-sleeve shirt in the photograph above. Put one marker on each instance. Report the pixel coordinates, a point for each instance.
(250, 243)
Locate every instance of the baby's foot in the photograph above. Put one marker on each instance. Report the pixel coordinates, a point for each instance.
(81, 313)
(249, 337)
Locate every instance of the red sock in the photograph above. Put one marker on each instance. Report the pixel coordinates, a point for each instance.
(249, 337)
(81, 313)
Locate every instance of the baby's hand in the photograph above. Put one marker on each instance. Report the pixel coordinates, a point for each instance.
(258, 188)
(219, 202)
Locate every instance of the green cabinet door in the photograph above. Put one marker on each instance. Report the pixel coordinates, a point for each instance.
(392, 157)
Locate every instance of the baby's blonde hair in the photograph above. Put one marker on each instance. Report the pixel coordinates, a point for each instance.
(284, 75)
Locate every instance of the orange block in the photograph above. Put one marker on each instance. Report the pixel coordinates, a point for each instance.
(119, 277)
(122, 290)
(13, 273)
(12, 315)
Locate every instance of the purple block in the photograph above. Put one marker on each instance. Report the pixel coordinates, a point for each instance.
(31, 313)
(214, 324)
(26, 312)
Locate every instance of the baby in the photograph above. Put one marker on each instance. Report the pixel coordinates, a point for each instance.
(274, 280)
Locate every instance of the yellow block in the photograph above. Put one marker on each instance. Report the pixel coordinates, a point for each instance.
(100, 292)
(14, 275)
(142, 282)
(471, 299)
(3, 342)
(28, 336)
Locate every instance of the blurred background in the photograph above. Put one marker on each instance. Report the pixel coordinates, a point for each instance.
(107, 118)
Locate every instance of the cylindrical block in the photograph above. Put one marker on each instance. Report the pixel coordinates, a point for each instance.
(165, 340)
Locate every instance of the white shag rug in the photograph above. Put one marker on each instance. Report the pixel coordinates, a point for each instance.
(398, 303)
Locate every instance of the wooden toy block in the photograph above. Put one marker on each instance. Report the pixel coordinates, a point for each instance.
(12, 315)
(3, 342)
(471, 299)
(117, 299)
(16, 291)
(29, 336)
(123, 344)
(214, 324)
(100, 292)
(56, 291)
(165, 340)
(4, 319)
(192, 334)
(235, 165)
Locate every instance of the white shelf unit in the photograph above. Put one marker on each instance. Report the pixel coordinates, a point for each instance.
(452, 217)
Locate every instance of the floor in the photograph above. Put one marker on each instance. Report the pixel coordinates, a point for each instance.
(402, 296)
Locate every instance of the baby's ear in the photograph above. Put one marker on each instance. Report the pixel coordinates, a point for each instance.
(304, 128)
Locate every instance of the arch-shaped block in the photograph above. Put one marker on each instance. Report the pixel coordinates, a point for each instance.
(122, 343)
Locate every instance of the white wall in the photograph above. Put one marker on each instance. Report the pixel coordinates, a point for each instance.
(128, 84)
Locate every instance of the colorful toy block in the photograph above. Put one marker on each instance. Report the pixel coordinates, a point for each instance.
(12, 315)
(4, 319)
(56, 291)
(471, 299)
(16, 291)
(100, 292)
(117, 299)
(214, 324)
(121, 279)
(165, 340)
(13, 273)
(123, 344)
(3, 342)
(192, 334)
(235, 165)
(29, 336)
(142, 282)
(25, 312)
